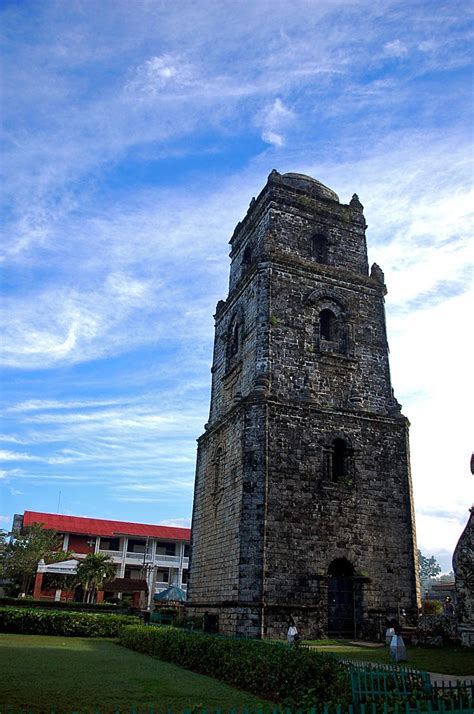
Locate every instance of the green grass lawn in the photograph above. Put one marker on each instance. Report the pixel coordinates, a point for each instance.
(81, 674)
(446, 660)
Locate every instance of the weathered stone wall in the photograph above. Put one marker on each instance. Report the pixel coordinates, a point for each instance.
(228, 522)
(311, 520)
(436, 631)
(234, 367)
(216, 553)
(350, 372)
(287, 217)
(463, 565)
(300, 363)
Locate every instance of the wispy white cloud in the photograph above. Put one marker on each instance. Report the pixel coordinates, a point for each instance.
(439, 535)
(53, 404)
(273, 120)
(138, 499)
(177, 522)
(37, 335)
(10, 473)
(9, 438)
(159, 74)
(395, 48)
(6, 455)
(175, 486)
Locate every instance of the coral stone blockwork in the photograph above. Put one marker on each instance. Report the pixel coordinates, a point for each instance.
(303, 503)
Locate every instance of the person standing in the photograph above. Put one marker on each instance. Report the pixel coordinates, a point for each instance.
(292, 634)
(448, 606)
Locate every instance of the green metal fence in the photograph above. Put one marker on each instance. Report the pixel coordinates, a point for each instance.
(398, 690)
(369, 684)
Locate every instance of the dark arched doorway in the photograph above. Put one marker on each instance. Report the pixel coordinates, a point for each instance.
(341, 599)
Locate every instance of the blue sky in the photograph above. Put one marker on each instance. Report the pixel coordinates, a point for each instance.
(134, 136)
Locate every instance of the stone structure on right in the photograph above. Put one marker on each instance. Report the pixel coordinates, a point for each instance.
(463, 566)
(303, 501)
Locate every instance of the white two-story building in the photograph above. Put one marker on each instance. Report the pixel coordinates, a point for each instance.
(157, 555)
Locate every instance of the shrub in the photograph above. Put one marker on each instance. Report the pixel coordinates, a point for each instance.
(58, 605)
(298, 677)
(68, 624)
(432, 607)
(436, 631)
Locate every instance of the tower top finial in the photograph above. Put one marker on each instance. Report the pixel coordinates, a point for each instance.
(356, 204)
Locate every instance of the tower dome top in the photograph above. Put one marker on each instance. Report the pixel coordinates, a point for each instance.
(311, 185)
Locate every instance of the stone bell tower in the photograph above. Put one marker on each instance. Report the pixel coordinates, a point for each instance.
(303, 501)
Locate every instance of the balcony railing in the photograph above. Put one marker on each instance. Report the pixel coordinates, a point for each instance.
(164, 560)
(136, 556)
(173, 559)
(112, 553)
(159, 587)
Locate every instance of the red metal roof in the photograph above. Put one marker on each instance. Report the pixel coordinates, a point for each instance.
(101, 527)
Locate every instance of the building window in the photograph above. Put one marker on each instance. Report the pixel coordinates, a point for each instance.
(136, 546)
(234, 338)
(247, 255)
(164, 548)
(340, 460)
(110, 543)
(186, 550)
(133, 573)
(319, 248)
(328, 325)
(185, 577)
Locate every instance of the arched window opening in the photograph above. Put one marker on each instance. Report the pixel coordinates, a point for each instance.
(217, 468)
(320, 248)
(247, 255)
(234, 339)
(340, 456)
(327, 325)
(341, 568)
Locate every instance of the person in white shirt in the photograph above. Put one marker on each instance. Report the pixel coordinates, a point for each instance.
(292, 632)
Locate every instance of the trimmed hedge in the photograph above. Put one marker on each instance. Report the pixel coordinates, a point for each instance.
(295, 676)
(67, 624)
(55, 605)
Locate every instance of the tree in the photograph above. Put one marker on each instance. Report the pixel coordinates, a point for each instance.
(20, 555)
(3, 545)
(3, 542)
(445, 577)
(427, 568)
(92, 571)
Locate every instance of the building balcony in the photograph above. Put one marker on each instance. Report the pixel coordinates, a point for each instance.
(159, 587)
(116, 555)
(166, 561)
(170, 561)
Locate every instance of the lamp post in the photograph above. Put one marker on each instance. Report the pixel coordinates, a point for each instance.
(148, 570)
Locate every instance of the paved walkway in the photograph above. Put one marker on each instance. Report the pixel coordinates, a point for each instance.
(437, 678)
